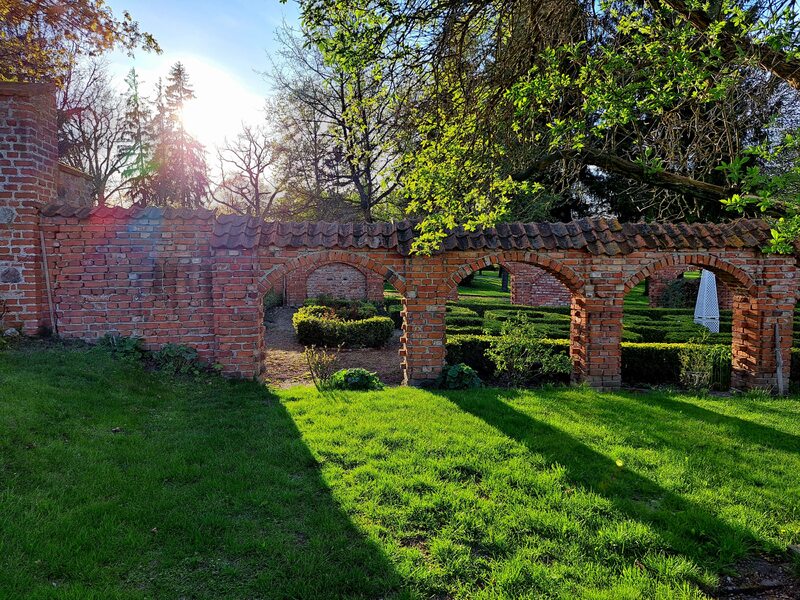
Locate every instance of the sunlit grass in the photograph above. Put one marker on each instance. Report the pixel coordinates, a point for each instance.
(117, 482)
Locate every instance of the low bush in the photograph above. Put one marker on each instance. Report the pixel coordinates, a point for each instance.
(348, 310)
(395, 313)
(123, 346)
(321, 365)
(321, 326)
(459, 377)
(179, 359)
(355, 379)
(272, 299)
(642, 363)
(521, 357)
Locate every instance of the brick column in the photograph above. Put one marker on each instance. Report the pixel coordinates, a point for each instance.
(422, 350)
(28, 163)
(238, 314)
(595, 341)
(754, 348)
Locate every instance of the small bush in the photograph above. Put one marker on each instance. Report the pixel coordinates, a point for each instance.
(520, 355)
(348, 310)
(321, 326)
(459, 377)
(123, 346)
(321, 365)
(395, 313)
(355, 379)
(272, 299)
(177, 358)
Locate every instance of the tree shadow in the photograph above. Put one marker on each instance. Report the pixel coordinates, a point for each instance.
(294, 540)
(747, 431)
(685, 527)
(174, 487)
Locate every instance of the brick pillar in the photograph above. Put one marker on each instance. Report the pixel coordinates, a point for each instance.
(238, 314)
(423, 339)
(755, 353)
(595, 341)
(28, 163)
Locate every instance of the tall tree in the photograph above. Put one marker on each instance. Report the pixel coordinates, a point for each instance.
(179, 174)
(41, 39)
(138, 142)
(358, 114)
(249, 181)
(92, 127)
(598, 105)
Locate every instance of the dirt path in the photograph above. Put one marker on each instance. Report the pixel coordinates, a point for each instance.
(286, 365)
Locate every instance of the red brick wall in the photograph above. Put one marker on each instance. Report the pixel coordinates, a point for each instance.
(533, 286)
(28, 157)
(74, 187)
(158, 275)
(339, 280)
(148, 277)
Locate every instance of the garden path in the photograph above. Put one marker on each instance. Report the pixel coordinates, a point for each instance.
(285, 364)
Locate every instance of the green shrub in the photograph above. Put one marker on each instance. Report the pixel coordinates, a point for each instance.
(321, 326)
(321, 365)
(459, 377)
(697, 362)
(123, 346)
(394, 312)
(355, 379)
(348, 310)
(681, 293)
(520, 355)
(272, 299)
(470, 350)
(177, 358)
(655, 364)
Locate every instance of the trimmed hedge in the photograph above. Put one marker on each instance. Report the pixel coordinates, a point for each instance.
(315, 328)
(651, 364)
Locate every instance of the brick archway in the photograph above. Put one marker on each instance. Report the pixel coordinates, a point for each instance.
(571, 280)
(731, 275)
(274, 278)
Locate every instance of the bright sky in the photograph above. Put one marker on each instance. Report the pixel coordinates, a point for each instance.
(222, 43)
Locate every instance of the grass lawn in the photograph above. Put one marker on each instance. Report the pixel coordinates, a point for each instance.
(121, 483)
(487, 284)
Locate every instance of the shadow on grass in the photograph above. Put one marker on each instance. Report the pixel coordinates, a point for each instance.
(747, 431)
(173, 488)
(685, 527)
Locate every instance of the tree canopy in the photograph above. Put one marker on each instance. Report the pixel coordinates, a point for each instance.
(40, 39)
(658, 109)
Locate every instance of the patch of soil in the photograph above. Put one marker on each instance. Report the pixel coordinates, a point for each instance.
(285, 363)
(760, 578)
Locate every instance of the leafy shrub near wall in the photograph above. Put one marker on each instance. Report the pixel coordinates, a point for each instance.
(459, 377)
(322, 326)
(650, 364)
(354, 379)
(349, 310)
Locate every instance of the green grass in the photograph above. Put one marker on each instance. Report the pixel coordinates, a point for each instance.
(486, 284)
(213, 489)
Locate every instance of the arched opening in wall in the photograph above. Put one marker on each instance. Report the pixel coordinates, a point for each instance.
(475, 322)
(339, 306)
(661, 342)
(674, 286)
